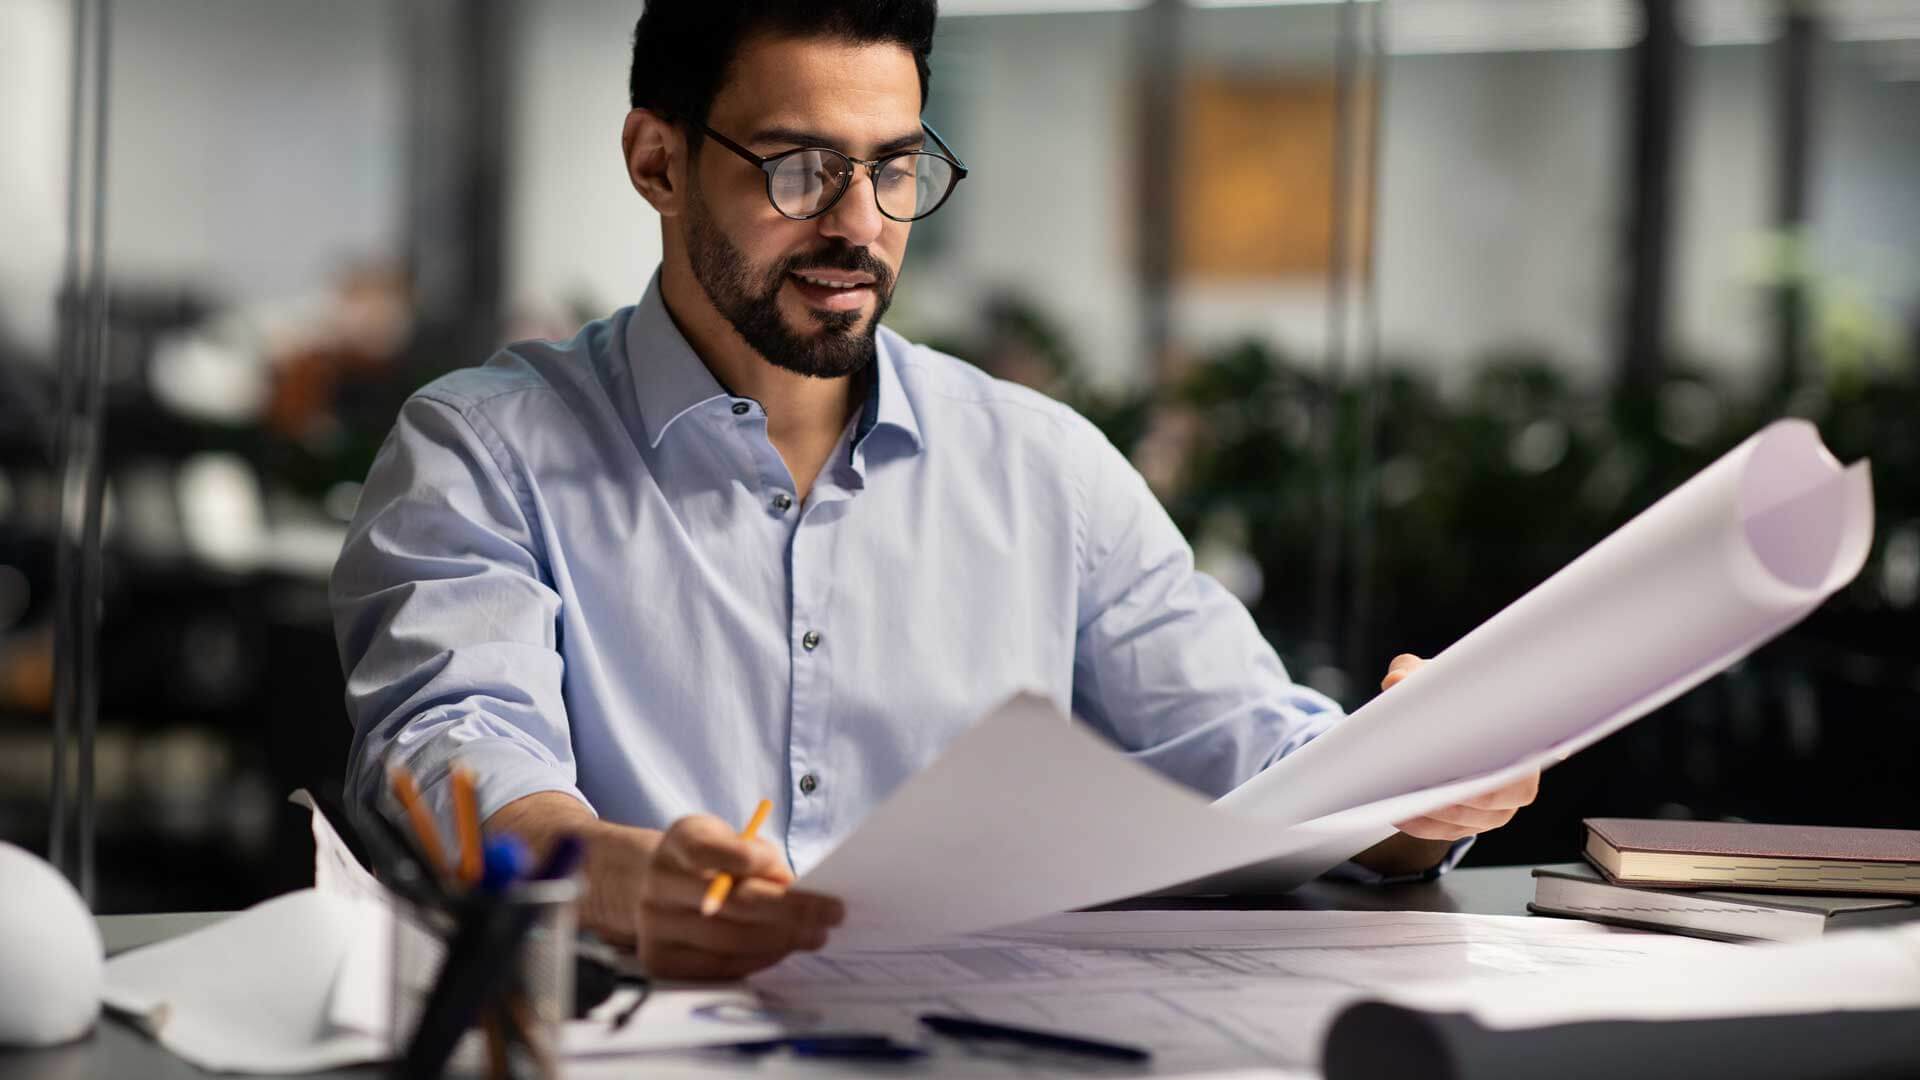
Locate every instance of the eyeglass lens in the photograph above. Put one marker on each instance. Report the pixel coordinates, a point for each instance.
(907, 186)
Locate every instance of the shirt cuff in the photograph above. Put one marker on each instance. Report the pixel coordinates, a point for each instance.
(503, 772)
(1361, 875)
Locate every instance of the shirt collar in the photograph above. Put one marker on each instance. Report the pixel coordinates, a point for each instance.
(670, 380)
(887, 404)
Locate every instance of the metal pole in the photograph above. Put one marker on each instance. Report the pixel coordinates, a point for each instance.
(1656, 76)
(1795, 70)
(78, 564)
(96, 476)
(459, 76)
(66, 587)
(1159, 52)
(1328, 537)
(1360, 610)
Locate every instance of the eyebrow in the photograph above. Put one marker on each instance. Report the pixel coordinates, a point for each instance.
(798, 138)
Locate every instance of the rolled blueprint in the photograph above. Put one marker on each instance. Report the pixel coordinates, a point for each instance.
(1724, 563)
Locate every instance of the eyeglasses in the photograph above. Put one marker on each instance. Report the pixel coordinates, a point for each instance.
(805, 183)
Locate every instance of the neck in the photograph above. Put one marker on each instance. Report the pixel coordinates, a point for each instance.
(805, 415)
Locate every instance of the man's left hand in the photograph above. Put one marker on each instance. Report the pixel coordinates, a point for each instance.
(1475, 815)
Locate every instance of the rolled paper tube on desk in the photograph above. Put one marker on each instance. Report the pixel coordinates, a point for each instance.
(1376, 1041)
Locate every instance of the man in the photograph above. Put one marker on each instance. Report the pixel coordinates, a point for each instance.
(739, 540)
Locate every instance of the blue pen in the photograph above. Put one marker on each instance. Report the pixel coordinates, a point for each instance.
(505, 862)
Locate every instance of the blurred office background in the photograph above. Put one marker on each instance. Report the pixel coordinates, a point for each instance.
(1399, 305)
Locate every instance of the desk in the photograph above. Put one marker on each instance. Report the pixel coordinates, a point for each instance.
(115, 1050)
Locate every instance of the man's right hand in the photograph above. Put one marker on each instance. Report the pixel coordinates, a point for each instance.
(644, 889)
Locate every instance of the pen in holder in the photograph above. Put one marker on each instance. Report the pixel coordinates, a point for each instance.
(486, 978)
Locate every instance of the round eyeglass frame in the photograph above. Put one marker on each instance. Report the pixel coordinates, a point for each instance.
(768, 164)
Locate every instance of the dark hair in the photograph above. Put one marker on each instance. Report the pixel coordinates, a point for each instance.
(682, 49)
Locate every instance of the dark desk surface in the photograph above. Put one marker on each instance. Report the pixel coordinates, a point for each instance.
(115, 1050)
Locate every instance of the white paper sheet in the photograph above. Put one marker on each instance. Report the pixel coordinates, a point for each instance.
(1027, 814)
(335, 870)
(1724, 563)
(1204, 990)
(249, 993)
(1857, 969)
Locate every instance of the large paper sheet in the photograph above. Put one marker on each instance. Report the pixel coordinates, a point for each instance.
(250, 993)
(1027, 814)
(1724, 563)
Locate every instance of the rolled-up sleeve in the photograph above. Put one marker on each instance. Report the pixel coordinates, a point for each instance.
(1167, 662)
(446, 619)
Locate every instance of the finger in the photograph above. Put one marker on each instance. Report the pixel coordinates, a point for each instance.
(752, 900)
(1427, 828)
(733, 938)
(760, 902)
(1508, 797)
(769, 861)
(1471, 817)
(706, 845)
(1401, 666)
(674, 961)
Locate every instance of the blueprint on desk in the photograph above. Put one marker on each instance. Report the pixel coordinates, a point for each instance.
(1204, 990)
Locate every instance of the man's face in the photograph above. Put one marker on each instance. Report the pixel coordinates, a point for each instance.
(752, 261)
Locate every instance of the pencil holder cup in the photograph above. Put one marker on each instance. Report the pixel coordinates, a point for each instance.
(517, 1007)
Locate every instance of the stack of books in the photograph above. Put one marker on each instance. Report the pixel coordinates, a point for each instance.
(1734, 881)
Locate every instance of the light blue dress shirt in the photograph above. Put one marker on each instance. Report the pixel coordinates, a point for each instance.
(581, 568)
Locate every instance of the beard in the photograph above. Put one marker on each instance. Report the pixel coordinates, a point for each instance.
(750, 301)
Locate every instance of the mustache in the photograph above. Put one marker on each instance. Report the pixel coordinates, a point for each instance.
(843, 256)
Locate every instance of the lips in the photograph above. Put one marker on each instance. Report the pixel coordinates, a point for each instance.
(838, 291)
(833, 280)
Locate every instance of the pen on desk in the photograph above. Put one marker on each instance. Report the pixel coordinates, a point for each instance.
(960, 1027)
(723, 883)
(466, 824)
(421, 818)
(857, 1045)
(643, 989)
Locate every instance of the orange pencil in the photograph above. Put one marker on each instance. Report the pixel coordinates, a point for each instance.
(466, 823)
(421, 818)
(723, 883)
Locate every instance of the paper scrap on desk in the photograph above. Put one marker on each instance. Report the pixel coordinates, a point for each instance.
(335, 870)
(1847, 970)
(1027, 814)
(249, 993)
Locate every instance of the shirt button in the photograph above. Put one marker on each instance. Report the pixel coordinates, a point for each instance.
(740, 408)
(811, 641)
(783, 502)
(808, 783)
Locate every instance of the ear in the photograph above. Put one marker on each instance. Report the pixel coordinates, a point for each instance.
(655, 152)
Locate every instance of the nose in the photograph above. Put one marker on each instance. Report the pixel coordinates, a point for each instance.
(856, 218)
